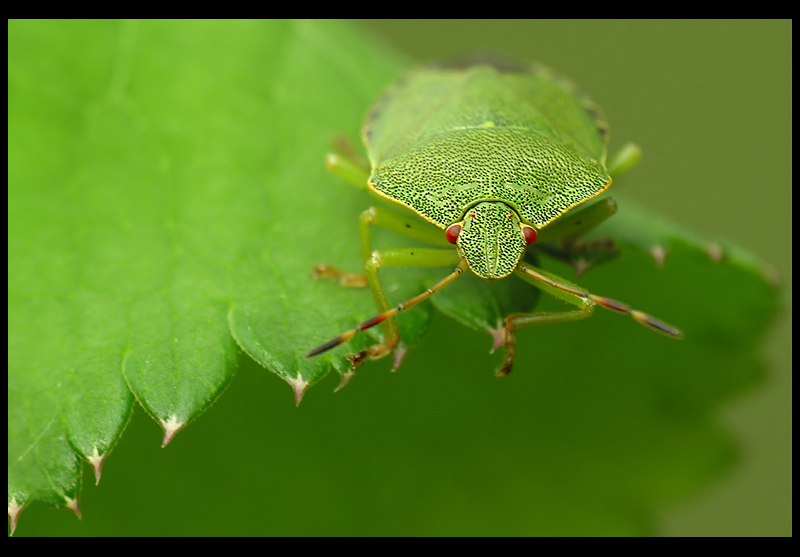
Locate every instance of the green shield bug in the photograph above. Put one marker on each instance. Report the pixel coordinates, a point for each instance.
(495, 157)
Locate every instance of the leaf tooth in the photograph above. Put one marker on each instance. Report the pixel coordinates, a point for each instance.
(14, 509)
(659, 254)
(96, 460)
(498, 336)
(399, 354)
(72, 504)
(346, 377)
(714, 251)
(771, 275)
(581, 266)
(171, 427)
(299, 385)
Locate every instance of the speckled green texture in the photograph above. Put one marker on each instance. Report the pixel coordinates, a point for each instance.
(490, 239)
(443, 140)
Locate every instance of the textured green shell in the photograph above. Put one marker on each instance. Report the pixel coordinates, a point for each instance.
(446, 138)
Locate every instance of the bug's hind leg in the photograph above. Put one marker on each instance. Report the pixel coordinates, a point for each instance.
(349, 167)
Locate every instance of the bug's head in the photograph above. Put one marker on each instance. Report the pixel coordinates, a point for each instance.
(491, 238)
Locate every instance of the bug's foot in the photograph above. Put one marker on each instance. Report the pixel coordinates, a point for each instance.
(357, 359)
(508, 343)
(345, 279)
(374, 352)
(399, 355)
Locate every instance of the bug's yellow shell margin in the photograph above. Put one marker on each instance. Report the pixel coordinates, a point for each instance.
(443, 139)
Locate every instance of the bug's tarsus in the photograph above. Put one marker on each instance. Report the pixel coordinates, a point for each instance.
(358, 358)
(508, 343)
(639, 316)
(333, 343)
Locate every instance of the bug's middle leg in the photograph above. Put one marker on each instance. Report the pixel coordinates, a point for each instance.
(563, 240)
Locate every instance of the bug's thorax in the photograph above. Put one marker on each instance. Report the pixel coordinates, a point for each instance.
(492, 239)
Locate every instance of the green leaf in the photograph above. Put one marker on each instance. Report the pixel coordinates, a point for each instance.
(167, 196)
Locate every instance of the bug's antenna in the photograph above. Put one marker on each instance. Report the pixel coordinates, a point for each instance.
(640, 317)
(381, 317)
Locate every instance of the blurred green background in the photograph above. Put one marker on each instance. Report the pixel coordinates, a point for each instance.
(710, 104)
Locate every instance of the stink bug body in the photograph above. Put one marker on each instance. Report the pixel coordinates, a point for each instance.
(490, 155)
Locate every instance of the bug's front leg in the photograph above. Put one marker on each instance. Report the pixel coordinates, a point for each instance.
(406, 225)
(398, 257)
(520, 321)
(584, 300)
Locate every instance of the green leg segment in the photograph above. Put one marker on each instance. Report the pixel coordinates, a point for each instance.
(347, 169)
(395, 257)
(563, 241)
(398, 257)
(575, 224)
(584, 300)
(392, 257)
(520, 321)
(625, 159)
(407, 224)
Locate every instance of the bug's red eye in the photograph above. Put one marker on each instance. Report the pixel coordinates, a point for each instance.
(452, 233)
(530, 234)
